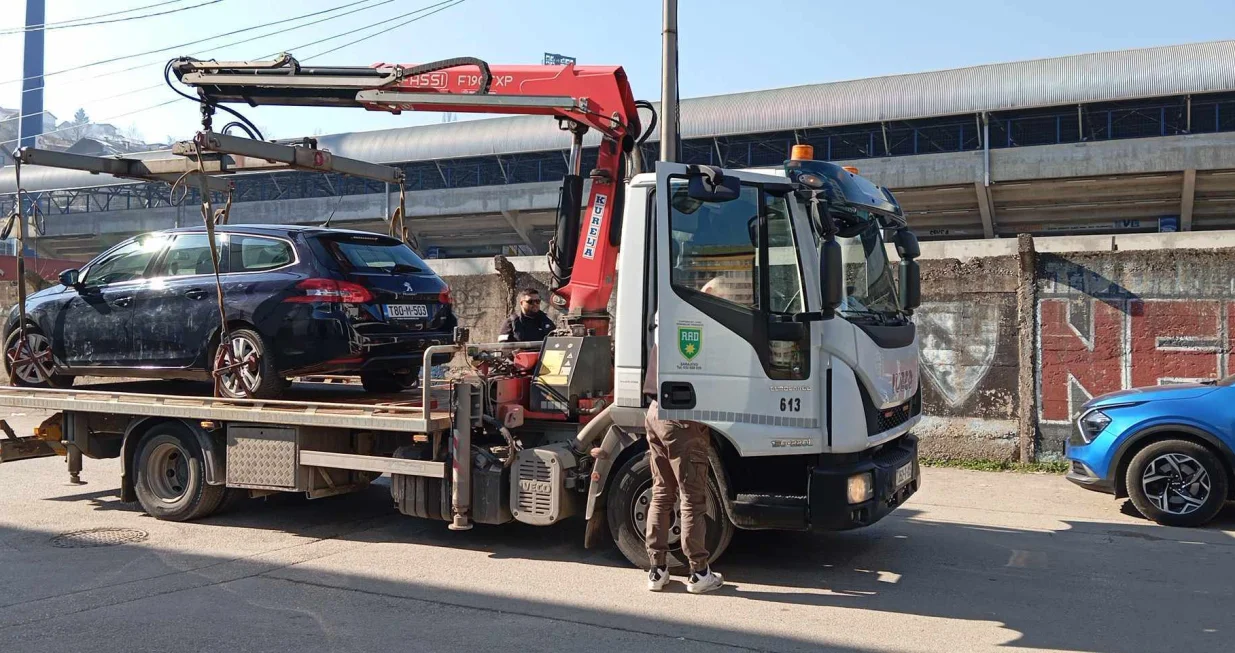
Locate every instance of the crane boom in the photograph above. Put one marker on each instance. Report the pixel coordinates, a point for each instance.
(583, 257)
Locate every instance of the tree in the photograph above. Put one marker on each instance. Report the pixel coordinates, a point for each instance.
(81, 121)
(132, 133)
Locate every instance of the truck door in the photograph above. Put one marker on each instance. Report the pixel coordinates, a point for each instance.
(729, 279)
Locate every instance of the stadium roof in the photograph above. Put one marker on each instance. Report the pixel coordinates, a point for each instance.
(1098, 77)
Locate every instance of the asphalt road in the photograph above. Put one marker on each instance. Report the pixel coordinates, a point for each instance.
(974, 562)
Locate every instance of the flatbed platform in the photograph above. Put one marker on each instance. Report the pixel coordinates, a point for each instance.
(308, 405)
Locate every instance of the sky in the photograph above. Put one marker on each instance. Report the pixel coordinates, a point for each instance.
(725, 45)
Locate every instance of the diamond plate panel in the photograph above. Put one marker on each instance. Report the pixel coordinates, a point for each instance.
(261, 457)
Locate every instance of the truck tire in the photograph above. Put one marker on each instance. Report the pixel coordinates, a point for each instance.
(1177, 483)
(630, 494)
(171, 476)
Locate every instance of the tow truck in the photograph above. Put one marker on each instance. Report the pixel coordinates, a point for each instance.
(782, 328)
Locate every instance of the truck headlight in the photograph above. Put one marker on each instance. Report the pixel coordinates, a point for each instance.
(1092, 424)
(861, 488)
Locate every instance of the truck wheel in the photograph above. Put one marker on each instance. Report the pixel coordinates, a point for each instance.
(38, 370)
(386, 382)
(1177, 483)
(630, 495)
(171, 476)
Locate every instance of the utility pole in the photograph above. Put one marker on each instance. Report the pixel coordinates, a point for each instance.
(30, 125)
(669, 84)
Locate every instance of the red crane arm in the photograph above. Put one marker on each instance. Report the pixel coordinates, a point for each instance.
(589, 97)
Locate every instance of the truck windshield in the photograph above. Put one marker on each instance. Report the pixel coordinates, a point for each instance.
(869, 285)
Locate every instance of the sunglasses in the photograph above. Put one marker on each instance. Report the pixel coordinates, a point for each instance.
(531, 301)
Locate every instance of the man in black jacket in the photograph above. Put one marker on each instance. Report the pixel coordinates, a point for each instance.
(528, 323)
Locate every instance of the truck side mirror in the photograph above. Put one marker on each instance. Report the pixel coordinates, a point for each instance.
(910, 285)
(831, 277)
(907, 245)
(70, 278)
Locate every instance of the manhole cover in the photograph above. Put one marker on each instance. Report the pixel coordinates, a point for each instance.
(98, 537)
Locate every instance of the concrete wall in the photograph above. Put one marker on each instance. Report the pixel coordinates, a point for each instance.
(967, 335)
(1093, 314)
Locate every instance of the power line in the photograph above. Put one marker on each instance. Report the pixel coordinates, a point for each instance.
(186, 44)
(109, 118)
(394, 27)
(380, 22)
(438, 7)
(233, 43)
(320, 20)
(46, 28)
(107, 15)
(94, 100)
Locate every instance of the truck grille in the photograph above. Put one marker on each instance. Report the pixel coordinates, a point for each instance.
(535, 486)
(881, 420)
(890, 418)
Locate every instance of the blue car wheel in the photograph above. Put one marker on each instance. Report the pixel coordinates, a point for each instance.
(1177, 483)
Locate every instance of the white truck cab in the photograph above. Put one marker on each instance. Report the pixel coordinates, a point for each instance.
(811, 397)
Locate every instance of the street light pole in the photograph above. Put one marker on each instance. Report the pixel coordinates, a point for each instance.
(30, 123)
(669, 84)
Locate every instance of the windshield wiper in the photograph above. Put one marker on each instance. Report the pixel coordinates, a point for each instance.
(879, 317)
(404, 267)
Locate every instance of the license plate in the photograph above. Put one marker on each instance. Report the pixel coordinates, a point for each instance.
(407, 311)
(904, 474)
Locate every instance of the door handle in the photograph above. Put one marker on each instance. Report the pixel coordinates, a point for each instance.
(677, 395)
(195, 293)
(123, 302)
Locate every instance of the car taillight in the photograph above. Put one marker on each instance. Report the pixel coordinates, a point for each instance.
(329, 290)
(444, 296)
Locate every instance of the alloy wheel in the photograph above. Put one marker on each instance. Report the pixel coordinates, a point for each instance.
(1176, 483)
(31, 359)
(242, 380)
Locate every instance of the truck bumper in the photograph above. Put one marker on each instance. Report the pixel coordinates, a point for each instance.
(829, 507)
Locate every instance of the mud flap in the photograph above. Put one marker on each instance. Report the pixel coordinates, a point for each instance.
(597, 529)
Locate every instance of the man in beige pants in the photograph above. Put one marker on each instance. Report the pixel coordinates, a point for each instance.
(678, 452)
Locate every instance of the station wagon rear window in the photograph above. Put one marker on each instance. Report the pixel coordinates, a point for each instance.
(361, 253)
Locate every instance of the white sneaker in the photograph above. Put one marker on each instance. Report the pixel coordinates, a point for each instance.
(705, 582)
(658, 577)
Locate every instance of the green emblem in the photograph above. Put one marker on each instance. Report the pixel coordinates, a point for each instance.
(690, 341)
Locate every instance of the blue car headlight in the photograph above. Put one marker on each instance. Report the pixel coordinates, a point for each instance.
(1092, 423)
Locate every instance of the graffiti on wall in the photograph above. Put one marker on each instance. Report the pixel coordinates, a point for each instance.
(1089, 347)
(957, 343)
(1152, 327)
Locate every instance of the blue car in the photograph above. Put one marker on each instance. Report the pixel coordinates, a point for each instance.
(1167, 448)
(300, 300)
